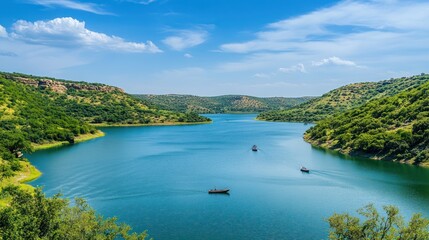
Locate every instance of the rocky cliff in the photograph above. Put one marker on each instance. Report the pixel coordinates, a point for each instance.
(62, 86)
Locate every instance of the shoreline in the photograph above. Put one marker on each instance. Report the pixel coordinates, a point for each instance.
(27, 174)
(78, 139)
(149, 124)
(33, 173)
(362, 155)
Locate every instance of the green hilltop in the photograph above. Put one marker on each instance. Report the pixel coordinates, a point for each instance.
(99, 103)
(220, 104)
(388, 128)
(342, 99)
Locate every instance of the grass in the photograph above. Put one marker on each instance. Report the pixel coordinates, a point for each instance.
(28, 173)
(78, 139)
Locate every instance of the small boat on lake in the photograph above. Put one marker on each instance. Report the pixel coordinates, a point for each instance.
(254, 148)
(226, 190)
(304, 169)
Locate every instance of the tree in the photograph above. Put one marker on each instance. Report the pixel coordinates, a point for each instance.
(376, 227)
(34, 216)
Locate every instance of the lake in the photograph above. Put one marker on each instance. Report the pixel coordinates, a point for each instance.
(157, 178)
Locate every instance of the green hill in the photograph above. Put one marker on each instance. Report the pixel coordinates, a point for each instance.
(389, 128)
(100, 104)
(28, 117)
(220, 104)
(37, 112)
(343, 98)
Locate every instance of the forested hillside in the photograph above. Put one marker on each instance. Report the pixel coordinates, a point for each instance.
(220, 104)
(343, 98)
(37, 111)
(28, 117)
(389, 128)
(99, 103)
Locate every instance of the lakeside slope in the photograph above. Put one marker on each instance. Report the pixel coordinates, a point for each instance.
(343, 99)
(40, 112)
(220, 104)
(394, 128)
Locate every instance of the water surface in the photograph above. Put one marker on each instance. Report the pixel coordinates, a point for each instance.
(156, 178)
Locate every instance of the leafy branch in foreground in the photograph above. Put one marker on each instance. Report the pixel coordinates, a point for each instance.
(376, 227)
(34, 216)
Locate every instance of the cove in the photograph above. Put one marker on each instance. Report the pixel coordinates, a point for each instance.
(156, 178)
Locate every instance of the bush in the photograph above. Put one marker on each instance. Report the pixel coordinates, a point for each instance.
(375, 227)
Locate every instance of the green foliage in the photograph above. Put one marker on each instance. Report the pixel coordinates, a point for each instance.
(32, 114)
(220, 104)
(342, 99)
(376, 227)
(26, 117)
(395, 127)
(114, 108)
(97, 103)
(34, 216)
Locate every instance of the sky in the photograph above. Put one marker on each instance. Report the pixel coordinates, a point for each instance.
(265, 48)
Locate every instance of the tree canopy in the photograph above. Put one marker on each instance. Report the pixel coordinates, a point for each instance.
(34, 216)
(390, 128)
(342, 99)
(372, 225)
(220, 104)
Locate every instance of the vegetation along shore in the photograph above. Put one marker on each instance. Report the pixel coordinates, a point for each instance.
(39, 113)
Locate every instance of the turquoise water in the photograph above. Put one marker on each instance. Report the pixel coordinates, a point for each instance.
(156, 178)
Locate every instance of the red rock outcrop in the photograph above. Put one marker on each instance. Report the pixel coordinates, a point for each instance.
(62, 87)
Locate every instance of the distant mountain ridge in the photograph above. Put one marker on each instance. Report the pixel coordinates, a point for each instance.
(343, 98)
(97, 103)
(220, 104)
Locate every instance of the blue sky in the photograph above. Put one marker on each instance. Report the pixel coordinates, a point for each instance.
(216, 47)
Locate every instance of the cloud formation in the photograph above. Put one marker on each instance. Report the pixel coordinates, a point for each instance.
(188, 55)
(3, 32)
(71, 4)
(296, 68)
(348, 26)
(144, 2)
(262, 75)
(334, 61)
(69, 32)
(186, 39)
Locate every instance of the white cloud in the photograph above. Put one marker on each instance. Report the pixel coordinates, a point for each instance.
(38, 59)
(3, 32)
(144, 2)
(87, 7)
(334, 61)
(188, 55)
(262, 75)
(186, 39)
(344, 25)
(296, 68)
(66, 32)
(360, 40)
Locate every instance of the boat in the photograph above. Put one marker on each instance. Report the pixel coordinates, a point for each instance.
(254, 148)
(226, 190)
(19, 154)
(304, 169)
